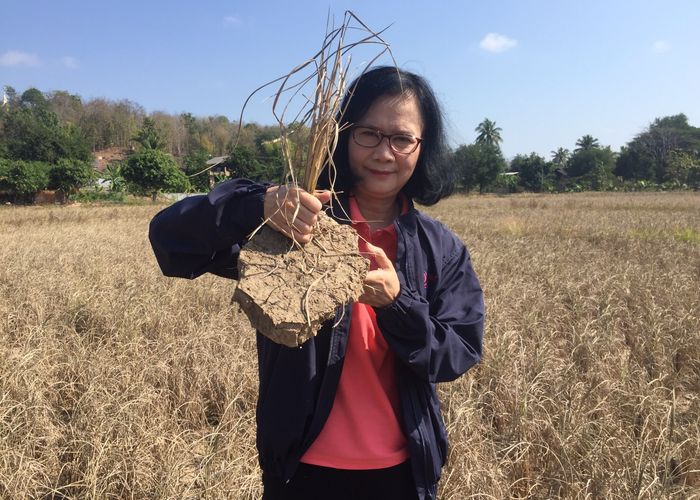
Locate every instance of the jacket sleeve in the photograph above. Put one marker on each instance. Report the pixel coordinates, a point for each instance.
(204, 233)
(440, 340)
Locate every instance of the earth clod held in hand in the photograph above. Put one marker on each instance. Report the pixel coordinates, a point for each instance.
(287, 291)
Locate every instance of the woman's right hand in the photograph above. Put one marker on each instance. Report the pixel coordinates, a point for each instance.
(292, 211)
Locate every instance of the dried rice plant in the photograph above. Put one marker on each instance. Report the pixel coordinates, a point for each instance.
(313, 92)
(287, 290)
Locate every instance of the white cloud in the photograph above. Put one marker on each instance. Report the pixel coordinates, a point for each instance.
(493, 42)
(660, 46)
(69, 62)
(232, 21)
(17, 58)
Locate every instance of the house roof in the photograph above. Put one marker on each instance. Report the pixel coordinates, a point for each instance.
(216, 160)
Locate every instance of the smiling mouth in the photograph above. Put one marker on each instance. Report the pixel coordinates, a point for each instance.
(379, 172)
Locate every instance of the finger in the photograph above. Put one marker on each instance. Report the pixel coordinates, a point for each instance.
(299, 215)
(372, 295)
(324, 196)
(300, 237)
(373, 282)
(302, 227)
(280, 228)
(284, 221)
(295, 200)
(294, 228)
(287, 198)
(311, 202)
(380, 257)
(280, 225)
(367, 297)
(292, 212)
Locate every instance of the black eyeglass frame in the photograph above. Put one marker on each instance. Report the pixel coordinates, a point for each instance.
(383, 136)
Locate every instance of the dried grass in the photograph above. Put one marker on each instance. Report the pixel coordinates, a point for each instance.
(311, 95)
(117, 382)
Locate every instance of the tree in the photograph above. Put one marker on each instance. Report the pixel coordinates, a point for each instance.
(478, 165)
(560, 157)
(114, 177)
(4, 170)
(32, 132)
(150, 171)
(586, 143)
(491, 163)
(26, 178)
(11, 94)
(164, 126)
(220, 133)
(679, 122)
(683, 168)
(107, 123)
(585, 161)
(489, 133)
(635, 163)
(179, 138)
(28, 134)
(95, 123)
(194, 165)
(242, 162)
(67, 107)
(70, 175)
(534, 171)
(149, 136)
(663, 137)
(464, 161)
(33, 97)
(600, 177)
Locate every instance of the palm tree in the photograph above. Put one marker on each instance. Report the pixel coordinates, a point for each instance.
(489, 133)
(586, 143)
(560, 156)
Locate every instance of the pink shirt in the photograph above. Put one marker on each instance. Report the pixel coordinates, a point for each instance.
(363, 429)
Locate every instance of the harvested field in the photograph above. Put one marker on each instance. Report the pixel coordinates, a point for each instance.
(118, 382)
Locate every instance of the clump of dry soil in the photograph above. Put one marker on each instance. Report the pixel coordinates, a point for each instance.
(288, 291)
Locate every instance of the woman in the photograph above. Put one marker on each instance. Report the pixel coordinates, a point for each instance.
(353, 412)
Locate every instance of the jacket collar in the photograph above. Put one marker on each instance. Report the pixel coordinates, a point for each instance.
(409, 220)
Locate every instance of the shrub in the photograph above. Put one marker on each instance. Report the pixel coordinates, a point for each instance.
(70, 175)
(194, 165)
(150, 171)
(26, 178)
(114, 176)
(4, 171)
(505, 183)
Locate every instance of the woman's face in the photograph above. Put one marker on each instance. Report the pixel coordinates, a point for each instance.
(379, 172)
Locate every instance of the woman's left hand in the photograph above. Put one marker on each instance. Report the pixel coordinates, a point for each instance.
(381, 285)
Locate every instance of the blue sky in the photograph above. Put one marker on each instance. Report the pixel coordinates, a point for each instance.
(547, 72)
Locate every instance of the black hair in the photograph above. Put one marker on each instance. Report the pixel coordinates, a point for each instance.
(432, 178)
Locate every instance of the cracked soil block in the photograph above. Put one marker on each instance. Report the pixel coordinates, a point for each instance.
(287, 292)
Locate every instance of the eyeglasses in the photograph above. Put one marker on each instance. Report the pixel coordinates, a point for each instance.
(368, 137)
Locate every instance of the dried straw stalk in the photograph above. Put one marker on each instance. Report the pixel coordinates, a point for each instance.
(287, 290)
(325, 74)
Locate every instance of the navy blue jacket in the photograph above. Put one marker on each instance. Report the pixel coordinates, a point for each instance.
(434, 327)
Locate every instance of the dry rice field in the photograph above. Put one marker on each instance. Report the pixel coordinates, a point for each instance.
(116, 382)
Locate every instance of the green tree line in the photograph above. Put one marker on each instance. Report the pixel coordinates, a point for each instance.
(666, 155)
(47, 141)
